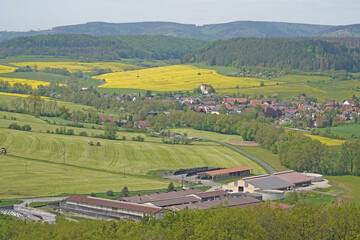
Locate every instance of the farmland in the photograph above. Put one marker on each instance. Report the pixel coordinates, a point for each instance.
(95, 169)
(346, 130)
(327, 141)
(350, 186)
(175, 78)
(32, 83)
(79, 66)
(6, 69)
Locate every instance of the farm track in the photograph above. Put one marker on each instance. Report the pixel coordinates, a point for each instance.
(265, 165)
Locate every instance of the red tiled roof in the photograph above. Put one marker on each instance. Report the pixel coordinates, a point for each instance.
(227, 170)
(143, 123)
(112, 203)
(292, 177)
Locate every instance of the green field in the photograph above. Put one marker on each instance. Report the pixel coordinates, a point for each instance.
(350, 186)
(34, 165)
(265, 156)
(345, 130)
(208, 135)
(71, 106)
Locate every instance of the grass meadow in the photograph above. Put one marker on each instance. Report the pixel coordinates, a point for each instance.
(349, 184)
(35, 163)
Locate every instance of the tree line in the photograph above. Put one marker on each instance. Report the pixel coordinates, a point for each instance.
(304, 221)
(81, 46)
(306, 54)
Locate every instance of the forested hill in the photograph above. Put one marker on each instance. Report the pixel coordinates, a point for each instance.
(286, 53)
(101, 48)
(206, 32)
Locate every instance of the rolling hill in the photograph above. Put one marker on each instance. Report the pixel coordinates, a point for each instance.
(205, 32)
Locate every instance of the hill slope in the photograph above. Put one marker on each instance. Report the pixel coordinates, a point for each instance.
(103, 48)
(285, 53)
(207, 32)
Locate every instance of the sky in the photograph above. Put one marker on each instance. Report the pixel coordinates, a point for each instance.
(24, 15)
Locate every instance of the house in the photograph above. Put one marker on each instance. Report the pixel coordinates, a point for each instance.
(143, 124)
(104, 119)
(204, 89)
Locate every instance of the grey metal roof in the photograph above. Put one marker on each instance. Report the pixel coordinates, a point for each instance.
(268, 183)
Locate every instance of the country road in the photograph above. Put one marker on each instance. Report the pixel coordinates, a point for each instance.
(265, 165)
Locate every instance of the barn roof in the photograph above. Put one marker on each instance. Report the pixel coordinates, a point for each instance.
(292, 177)
(113, 203)
(160, 196)
(271, 182)
(227, 170)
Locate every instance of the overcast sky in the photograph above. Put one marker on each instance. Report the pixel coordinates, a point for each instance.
(24, 15)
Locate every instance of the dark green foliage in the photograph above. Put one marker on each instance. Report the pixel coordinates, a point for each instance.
(110, 130)
(84, 134)
(16, 126)
(64, 131)
(110, 193)
(125, 191)
(305, 54)
(304, 221)
(138, 138)
(171, 187)
(100, 48)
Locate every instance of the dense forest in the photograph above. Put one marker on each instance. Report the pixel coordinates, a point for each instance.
(285, 53)
(101, 48)
(205, 32)
(304, 221)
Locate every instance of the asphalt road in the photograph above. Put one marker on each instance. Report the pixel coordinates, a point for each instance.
(270, 169)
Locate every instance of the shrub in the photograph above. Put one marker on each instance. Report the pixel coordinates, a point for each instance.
(110, 193)
(84, 134)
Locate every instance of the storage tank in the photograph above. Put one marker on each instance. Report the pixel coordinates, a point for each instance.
(314, 176)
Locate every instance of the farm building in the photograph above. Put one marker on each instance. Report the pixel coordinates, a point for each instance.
(175, 197)
(225, 173)
(110, 209)
(235, 201)
(277, 181)
(160, 196)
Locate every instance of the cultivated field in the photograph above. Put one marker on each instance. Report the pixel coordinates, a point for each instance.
(208, 135)
(175, 78)
(32, 83)
(349, 184)
(91, 168)
(6, 69)
(79, 66)
(327, 141)
(346, 130)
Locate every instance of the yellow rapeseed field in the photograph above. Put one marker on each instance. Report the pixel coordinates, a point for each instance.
(26, 95)
(79, 66)
(327, 141)
(32, 83)
(175, 78)
(6, 69)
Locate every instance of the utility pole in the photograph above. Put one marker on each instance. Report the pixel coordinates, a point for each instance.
(124, 170)
(54, 190)
(64, 157)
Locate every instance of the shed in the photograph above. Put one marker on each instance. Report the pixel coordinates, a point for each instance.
(225, 173)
